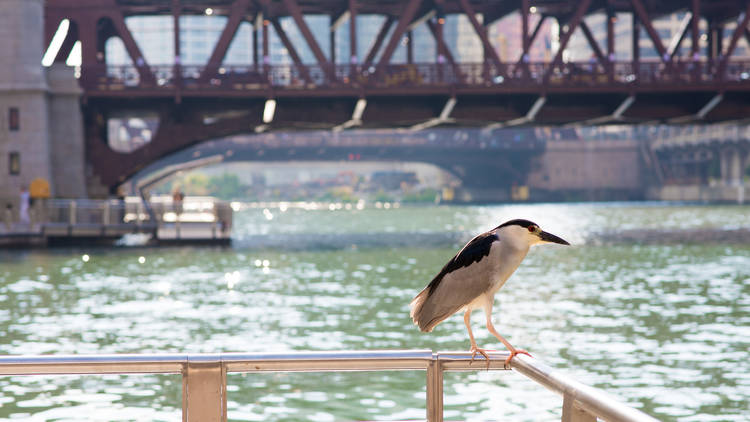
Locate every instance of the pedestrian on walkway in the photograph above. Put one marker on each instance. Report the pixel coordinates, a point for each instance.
(23, 207)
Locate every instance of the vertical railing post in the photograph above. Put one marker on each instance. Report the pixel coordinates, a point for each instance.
(105, 218)
(204, 387)
(435, 391)
(572, 413)
(8, 218)
(216, 219)
(177, 234)
(72, 213)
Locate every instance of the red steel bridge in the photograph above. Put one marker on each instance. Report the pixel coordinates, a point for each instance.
(197, 103)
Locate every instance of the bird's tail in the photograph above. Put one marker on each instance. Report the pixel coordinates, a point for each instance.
(421, 314)
(416, 306)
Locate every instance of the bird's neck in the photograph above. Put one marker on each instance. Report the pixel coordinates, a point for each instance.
(516, 244)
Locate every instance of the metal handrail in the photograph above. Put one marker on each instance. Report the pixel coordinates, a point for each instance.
(204, 375)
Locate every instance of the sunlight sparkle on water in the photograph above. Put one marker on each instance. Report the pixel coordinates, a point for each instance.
(661, 325)
(232, 279)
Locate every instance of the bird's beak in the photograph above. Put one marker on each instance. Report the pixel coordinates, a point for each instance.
(549, 237)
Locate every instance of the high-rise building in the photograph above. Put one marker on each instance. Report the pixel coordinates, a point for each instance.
(668, 28)
(506, 36)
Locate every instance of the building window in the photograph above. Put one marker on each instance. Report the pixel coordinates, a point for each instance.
(14, 120)
(14, 163)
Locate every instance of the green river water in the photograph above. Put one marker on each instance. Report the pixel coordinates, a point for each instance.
(662, 321)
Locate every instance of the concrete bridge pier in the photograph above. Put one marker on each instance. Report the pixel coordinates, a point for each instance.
(24, 136)
(67, 161)
(689, 170)
(490, 178)
(41, 131)
(733, 161)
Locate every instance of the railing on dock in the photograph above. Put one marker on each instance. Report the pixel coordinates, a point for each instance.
(196, 218)
(204, 376)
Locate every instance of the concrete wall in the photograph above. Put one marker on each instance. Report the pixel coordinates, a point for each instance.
(21, 43)
(588, 170)
(22, 85)
(66, 133)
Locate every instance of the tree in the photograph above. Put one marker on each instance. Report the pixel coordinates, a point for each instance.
(227, 186)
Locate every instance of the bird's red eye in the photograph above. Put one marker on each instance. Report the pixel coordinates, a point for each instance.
(531, 229)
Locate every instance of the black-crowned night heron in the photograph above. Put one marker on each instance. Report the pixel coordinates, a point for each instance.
(471, 278)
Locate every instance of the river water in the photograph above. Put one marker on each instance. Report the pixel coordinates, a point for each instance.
(651, 303)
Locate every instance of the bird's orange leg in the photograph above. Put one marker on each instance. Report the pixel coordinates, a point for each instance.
(513, 351)
(474, 349)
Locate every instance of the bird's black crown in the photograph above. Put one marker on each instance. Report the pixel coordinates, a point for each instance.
(518, 222)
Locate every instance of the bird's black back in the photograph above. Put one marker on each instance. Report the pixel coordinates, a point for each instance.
(474, 251)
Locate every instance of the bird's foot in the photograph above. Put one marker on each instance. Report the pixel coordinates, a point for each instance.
(513, 353)
(483, 352)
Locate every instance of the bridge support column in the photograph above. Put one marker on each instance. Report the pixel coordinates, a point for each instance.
(25, 150)
(740, 161)
(66, 133)
(732, 162)
(491, 178)
(723, 166)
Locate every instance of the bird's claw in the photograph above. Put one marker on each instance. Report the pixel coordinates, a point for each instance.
(513, 353)
(483, 352)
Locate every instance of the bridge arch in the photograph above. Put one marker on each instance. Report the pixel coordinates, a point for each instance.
(488, 166)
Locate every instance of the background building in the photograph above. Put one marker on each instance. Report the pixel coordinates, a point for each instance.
(40, 138)
(668, 27)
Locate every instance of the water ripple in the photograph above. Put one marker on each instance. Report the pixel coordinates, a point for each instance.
(661, 323)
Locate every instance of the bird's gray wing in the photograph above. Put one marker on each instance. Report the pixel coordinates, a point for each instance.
(462, 279)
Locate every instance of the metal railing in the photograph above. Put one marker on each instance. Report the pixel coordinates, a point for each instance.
(90, 211)
(668, 135)
(204, 376)
(678, 136)
(249, 77)
(113, 216)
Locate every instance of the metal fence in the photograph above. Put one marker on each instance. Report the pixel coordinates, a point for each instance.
(204, 376)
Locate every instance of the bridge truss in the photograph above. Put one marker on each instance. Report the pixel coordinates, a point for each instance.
(195, 103)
